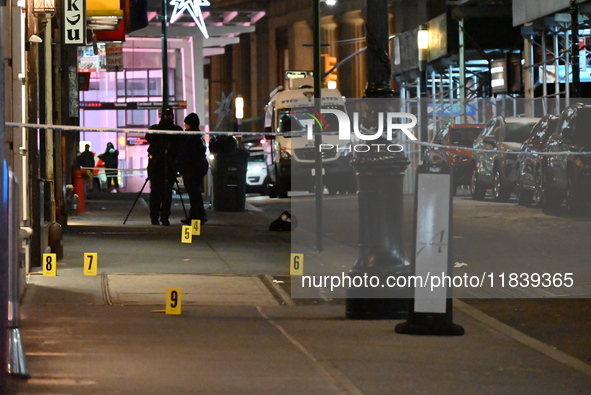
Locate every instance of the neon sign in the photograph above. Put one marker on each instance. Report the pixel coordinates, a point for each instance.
(194, 8)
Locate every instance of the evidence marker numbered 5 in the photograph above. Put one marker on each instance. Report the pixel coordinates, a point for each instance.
(296, 265)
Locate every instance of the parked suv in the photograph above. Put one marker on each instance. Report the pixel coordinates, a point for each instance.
(529, 164)
(496, 168)
(566, 172)
(256, 171)
(453, 135)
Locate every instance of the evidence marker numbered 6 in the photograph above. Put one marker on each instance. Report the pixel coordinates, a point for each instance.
(296, 265)
(50, 265)
(90, 263)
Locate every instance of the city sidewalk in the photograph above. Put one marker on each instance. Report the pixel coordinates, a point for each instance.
(238, 332)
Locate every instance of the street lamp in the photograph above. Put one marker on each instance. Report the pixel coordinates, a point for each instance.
(239, 107)
(423, 46)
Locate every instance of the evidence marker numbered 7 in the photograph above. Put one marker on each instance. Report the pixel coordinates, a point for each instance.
(90, 263)
(296, 265)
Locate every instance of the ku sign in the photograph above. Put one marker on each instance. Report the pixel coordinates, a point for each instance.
(74, 22)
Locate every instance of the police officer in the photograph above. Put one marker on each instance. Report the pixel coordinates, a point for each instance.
(193, 166)
(161, 170)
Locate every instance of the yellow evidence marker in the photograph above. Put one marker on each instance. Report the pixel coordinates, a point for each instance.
(90, 263)
(187, 234)
(173, 301)
(296, 265)
(196, 227)
(49, 264)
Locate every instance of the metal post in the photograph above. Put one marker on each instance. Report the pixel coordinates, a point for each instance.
(3, 225)
(317, 137)
(566, 70)
(49, 170)
(380, 180)
(164, 36)
(574, 39)
(556, 66)
(462, 61)
(544, 75)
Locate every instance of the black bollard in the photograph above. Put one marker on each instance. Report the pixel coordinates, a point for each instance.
(379, 175)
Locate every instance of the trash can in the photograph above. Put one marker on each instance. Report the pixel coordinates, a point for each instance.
(229, 180)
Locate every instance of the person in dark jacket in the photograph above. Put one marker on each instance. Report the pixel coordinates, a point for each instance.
(85, 160)
(161, 170)
(111, 159)
(192, 164)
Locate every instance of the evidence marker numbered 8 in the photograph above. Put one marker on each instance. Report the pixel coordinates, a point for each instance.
(50, 265)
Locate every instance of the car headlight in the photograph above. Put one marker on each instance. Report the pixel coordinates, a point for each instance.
(582, 163)
(255, 170)
(284, 155)
(345, 149)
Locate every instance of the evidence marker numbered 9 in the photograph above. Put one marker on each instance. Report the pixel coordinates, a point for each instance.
(173, 301)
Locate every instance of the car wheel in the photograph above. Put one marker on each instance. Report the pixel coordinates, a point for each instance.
(524, 197)
(282, 189)
(538, 196)
(549, 200)
(574, 203)
(272, 189)
(476, 189)
(500, 192)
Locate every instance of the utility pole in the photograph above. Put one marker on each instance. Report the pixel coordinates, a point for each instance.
(164, 21)
(319, 185)
(3, 225)
(574, 37)
(380, 176)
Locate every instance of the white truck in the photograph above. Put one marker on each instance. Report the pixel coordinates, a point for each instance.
(290, 153)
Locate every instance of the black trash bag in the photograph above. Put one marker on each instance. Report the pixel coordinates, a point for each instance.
(285, 223)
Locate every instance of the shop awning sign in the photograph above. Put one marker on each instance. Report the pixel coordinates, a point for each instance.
(74, 22)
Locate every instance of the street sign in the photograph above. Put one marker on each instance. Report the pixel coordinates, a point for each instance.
(153, 105)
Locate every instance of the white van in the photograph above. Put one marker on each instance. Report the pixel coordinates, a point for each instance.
(291, 155)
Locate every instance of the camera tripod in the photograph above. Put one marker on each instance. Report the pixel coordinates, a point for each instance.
(178, 188)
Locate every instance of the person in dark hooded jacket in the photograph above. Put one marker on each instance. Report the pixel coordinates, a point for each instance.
(162, 154)
(192, 164)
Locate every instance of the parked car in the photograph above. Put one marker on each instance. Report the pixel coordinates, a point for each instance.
(496, 168)
(453, 135)
(529, 164)
(256, 172)
(566, 172)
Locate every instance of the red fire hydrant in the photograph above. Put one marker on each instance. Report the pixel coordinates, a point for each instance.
(79, 181)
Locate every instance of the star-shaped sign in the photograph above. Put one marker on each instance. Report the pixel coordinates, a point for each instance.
(224, 109)
(194, 8)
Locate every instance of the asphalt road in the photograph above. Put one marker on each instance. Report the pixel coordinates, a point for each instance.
(499, 239)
